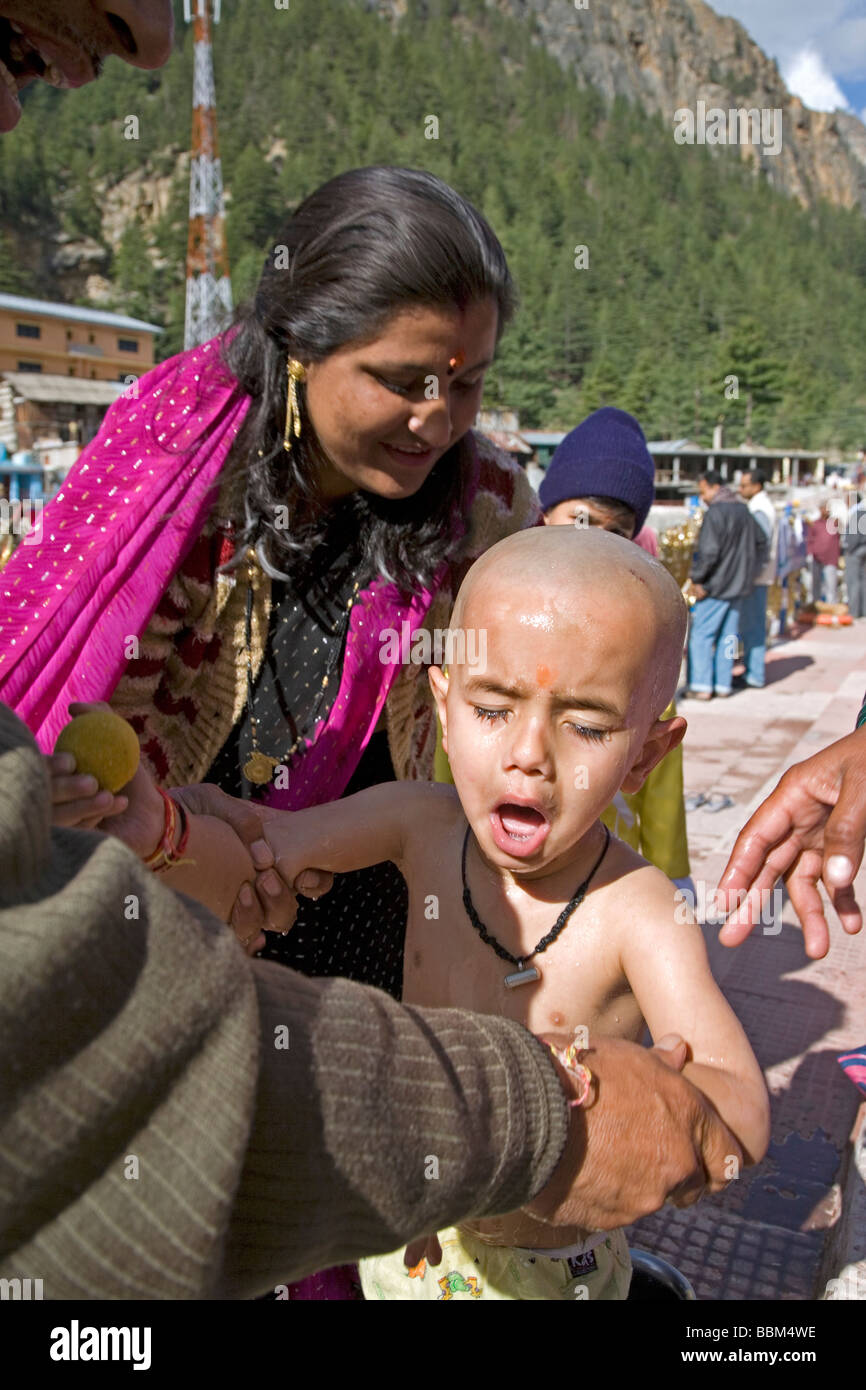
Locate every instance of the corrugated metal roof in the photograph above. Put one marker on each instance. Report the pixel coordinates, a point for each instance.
(53, 389)
(21, 305)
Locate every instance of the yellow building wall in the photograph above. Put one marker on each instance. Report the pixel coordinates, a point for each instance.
(72, 349)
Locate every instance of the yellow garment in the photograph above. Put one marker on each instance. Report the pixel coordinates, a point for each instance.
(471, 1270)
(652, 821)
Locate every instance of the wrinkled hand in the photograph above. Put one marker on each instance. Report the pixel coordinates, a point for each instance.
(810, 829)
(647, 1137)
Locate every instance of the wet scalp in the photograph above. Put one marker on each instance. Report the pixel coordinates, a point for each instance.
(572, 562)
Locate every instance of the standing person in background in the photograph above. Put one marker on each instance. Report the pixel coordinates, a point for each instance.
(648, 539)
(753, 608)
(730, 550)
(854, 550)
(824, 547)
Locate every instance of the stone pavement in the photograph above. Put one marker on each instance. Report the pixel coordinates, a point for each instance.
(798, 1219)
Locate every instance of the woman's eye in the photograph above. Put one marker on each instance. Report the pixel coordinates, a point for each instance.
(489, 716)
(394, 386)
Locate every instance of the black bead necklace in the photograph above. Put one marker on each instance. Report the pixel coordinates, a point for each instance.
(525, 975)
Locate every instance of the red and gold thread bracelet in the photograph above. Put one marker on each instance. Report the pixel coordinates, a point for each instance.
(167, 854)
(569, 1058)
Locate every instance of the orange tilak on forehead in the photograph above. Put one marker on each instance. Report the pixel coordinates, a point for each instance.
(456, 361)
(543, 676)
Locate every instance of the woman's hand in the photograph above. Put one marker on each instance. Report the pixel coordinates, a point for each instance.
(271, 905)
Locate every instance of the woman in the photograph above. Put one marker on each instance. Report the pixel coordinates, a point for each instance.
(223, 560)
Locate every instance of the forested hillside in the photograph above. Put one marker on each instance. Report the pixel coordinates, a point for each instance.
(694, 268)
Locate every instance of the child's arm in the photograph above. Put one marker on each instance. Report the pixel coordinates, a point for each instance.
(361, 830)
(665, 961)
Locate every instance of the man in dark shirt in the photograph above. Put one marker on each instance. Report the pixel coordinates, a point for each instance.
(730, 550)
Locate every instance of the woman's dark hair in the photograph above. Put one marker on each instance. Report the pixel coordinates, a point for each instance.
(361, 248)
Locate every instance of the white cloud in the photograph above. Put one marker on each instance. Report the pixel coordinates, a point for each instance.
(782, 27)
(809, 78)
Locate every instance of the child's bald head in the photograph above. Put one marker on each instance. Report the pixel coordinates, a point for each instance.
(574, 578)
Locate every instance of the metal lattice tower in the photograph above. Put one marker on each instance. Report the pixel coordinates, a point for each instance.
(208, 286)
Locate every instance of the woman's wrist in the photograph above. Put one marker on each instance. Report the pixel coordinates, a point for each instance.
(171, 835)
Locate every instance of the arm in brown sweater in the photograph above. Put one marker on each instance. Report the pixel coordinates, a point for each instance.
(157, 1141)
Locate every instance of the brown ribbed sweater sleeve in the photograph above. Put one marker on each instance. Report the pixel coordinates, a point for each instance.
(155, 1142)
(378, 1122)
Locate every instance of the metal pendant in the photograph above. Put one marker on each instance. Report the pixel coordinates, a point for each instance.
(526, 976)
(260, 768)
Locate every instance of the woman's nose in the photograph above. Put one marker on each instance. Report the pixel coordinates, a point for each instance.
(143, 29)
(432, 422)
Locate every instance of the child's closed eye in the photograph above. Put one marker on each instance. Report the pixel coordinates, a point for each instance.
(489, 716)
(596, 735)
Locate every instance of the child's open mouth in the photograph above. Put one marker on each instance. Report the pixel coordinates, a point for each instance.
(518, 830)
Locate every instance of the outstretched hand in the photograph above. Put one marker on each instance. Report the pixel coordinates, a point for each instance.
(811, 829)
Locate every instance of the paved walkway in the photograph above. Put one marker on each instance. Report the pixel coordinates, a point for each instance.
(775, 1232)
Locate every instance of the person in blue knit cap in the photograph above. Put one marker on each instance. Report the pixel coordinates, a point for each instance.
(602, 474)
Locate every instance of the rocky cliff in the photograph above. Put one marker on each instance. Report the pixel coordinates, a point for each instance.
(671, 54)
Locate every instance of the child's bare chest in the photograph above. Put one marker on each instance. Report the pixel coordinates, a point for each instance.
(580, 982)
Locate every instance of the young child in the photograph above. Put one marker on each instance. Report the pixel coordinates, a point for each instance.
(521, 903)
(602, 474)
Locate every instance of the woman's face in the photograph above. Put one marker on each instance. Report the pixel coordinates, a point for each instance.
(385, 413)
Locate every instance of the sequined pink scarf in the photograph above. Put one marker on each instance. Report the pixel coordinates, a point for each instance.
(113, 537)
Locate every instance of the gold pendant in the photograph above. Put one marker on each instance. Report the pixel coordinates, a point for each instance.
(260, 768)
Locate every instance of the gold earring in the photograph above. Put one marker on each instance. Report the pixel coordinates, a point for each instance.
(295, 372)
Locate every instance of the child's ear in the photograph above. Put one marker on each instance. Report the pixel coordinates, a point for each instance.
(663, 735)
(439, 685)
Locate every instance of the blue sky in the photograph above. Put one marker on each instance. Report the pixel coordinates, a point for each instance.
(820, 47)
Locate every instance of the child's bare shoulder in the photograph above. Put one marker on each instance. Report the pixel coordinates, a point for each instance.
(639, 895)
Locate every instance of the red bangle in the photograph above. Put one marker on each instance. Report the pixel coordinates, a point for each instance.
(168, 854)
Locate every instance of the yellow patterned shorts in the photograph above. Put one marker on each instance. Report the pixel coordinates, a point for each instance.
(471, 1269)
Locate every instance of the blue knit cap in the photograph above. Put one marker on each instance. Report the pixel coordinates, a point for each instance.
(605, 456)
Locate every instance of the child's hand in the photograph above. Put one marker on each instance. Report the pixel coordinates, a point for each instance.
(77, 800)
(424, 1248)
(136, 817)
(294, 859)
